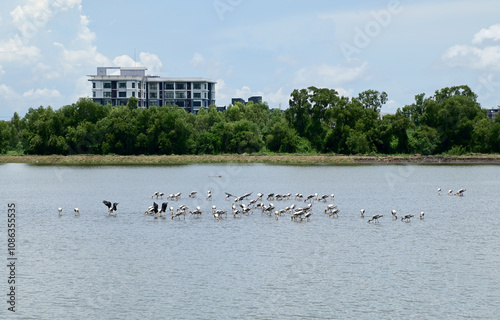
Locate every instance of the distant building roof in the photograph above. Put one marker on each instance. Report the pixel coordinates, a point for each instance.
(492, 113)
(254, 99)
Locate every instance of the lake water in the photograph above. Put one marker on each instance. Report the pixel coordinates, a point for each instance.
(445, 266)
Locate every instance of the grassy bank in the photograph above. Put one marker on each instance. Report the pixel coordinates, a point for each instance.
(237, 158)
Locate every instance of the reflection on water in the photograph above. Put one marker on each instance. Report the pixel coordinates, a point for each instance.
(256, 267)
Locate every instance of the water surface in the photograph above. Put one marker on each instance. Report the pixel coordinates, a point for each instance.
(255, 267)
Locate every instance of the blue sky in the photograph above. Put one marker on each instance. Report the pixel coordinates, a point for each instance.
(268, 48)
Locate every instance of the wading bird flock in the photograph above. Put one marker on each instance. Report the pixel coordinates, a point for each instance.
(239, 208)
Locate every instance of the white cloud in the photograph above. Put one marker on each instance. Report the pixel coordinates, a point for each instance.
(83, 88)
(149, 60)
(30, 17)
(197, 60)
(74, 61)
(473, 57)
(245, 92)
(84, 34)
(390, 107)
(326, 75)
(43, 93)
(35, 15)
(220, 88)
(125, 61)
(64, 5)
(224, 93)
(277, 98)
(492, 32)
(7, 92)
(476, 57)
(15, 51)
(46, 71)
(344, 92)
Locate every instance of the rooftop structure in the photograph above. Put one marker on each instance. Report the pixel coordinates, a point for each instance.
(116, 85)
(254, 99)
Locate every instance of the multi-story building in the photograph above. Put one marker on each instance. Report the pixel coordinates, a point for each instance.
(235, 100)
(117, 87)
(492, 113)
(254, 99)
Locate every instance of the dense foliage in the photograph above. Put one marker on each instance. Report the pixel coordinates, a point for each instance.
(318, 120)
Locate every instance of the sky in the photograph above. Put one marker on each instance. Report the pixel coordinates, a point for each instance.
(260, 47)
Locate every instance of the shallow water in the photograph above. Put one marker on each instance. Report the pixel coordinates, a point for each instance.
(255, 267)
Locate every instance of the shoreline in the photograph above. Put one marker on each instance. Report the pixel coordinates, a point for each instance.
(285, 159)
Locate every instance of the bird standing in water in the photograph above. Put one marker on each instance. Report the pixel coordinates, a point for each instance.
(111, 208)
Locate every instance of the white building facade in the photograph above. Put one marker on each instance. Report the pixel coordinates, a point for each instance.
(116, 85)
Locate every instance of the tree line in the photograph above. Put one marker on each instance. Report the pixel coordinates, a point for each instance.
(318, 120)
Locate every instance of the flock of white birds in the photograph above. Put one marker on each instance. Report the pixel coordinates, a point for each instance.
(239, 208)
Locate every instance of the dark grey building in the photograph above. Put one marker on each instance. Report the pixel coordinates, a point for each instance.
(255, 99)
(235, 100)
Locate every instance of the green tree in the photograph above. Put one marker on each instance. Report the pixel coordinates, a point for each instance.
(357, 143)
(423, 140)
(372, 99)
(481, 136)
(132, 103)
(282, 138)
(309, 114)
(208, 143)
(44, 132)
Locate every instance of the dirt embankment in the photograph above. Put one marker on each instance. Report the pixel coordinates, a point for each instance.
(237, 158)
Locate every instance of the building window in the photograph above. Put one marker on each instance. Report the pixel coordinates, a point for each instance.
(122, 85)
(152, 95)
(196, 103)
(197, 86)
(93, 85)
(180, 95)
(205, 95)
(133, 85)
(107, 85)
(153, 86)
(180, 103)
(169, 86)
(180, 86)
(133, 93)
(197, 95)
(169, 95)
(93, 94)
(106, 94)
(122, 94)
